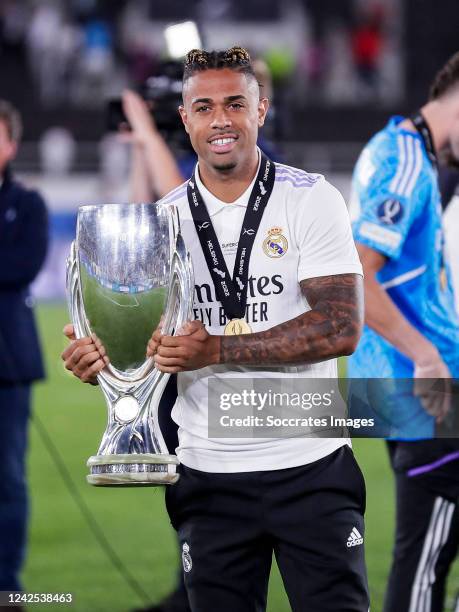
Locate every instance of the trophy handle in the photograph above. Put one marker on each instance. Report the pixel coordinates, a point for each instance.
(74, 300)
(179, 304)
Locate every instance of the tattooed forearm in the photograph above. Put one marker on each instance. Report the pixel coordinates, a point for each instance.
(331, 328)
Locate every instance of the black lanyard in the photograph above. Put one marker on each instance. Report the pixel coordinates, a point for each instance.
(232, 292)
(426, 135)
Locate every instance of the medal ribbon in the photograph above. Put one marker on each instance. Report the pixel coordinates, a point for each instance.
(232, 291)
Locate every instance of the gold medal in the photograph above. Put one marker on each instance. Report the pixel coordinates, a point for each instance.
(237, 327)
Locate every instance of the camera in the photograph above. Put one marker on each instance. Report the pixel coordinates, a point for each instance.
(163, 94)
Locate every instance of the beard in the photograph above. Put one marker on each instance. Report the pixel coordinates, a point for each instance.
(225, 167)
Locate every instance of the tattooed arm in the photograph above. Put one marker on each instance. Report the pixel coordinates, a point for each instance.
(331, 328)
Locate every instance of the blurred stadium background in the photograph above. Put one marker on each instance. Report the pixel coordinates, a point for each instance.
(339, 69)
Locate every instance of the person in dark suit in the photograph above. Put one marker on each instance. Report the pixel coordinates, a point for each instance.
(23, 245)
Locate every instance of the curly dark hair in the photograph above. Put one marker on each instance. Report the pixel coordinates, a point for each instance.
(236, 58)
(446, 79)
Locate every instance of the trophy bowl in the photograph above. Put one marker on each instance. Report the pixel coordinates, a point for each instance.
(129, 272)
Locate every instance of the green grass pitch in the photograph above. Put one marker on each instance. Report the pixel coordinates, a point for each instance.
(63, 555)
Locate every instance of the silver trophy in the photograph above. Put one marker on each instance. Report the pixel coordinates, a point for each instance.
(128, 271)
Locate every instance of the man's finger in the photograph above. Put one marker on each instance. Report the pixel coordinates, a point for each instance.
(168, 361)
(154, 341)
(430, 402)
(100, 347)
(435, 403)
(173, 340)
(74, 345)
(87, 365)
(152, 347)
(69, 331)
(169, 370)
(183, 341)
(80, 352)
(189, 327)
(168, 351)
(78, 366)
(90, 374)
(434, 395)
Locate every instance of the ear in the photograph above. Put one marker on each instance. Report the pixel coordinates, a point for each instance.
(263, 106)
(12, 149)
(184, 116)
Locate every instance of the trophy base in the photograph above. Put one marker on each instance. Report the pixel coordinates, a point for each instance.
(132, 470)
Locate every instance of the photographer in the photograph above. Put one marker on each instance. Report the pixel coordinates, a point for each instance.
(154, 168)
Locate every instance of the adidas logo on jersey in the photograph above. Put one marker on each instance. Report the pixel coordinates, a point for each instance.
(355, 539)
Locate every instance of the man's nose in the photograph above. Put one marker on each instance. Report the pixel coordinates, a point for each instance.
(221, 119)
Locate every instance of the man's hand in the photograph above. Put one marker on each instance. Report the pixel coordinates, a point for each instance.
(193, 348)
(85, 357)
(430, 372)
(140, 120)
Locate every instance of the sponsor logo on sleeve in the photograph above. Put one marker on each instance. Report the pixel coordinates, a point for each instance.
(390, 212)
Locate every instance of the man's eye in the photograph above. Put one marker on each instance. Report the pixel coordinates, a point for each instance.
(201, 108)
(236, 105)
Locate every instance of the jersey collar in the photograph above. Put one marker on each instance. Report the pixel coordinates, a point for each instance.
(394, 123)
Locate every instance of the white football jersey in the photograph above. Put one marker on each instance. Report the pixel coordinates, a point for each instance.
(304, 233)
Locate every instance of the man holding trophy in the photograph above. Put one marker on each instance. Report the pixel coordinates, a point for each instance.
(277, 294)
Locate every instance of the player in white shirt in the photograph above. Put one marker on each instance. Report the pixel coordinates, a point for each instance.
(307, 222)
(295, 299)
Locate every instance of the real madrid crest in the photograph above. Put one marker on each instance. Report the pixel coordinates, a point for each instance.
(275, 245)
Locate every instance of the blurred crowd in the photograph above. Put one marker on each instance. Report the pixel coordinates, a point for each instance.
(79, 52)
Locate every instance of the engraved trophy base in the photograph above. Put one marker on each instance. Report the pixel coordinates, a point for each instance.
(132, 470)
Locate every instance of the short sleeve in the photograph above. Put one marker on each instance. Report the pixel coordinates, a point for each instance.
(324, 234)
(387, 194)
